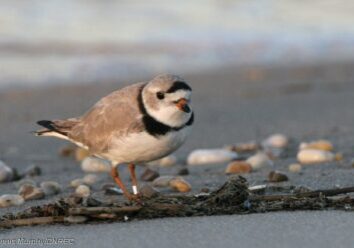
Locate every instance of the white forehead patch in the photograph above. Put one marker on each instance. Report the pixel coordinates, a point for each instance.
(178, 95)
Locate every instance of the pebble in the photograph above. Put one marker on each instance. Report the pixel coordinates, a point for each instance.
(113, 191)
(76, 182)
(276, 176)
(313, 156)
(90, 179)
(32, 171)
(67, 151)
(238, 167)
(148, 191)
(210, 156)
(259, 160)
(18, 184)
(167, 161)
(149, 175)
(81, 154)
(83, 191)
(180, 185)
(251, 146)
(30, 192)
(162, 181)
(6, 173)
(295, 168)
(276, 141)
(183, 172)
(50, 187)
(323, 145)
(11, 200)
(90, 164)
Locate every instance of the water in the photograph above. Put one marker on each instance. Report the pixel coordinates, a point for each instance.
(68, 41)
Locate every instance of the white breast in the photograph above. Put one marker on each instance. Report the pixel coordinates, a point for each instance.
(143, 147)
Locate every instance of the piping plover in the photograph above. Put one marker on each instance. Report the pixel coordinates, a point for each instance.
(136, 124)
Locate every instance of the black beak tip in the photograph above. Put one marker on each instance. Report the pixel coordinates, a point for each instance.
(186, 108)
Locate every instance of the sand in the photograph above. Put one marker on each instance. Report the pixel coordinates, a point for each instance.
(232, 105)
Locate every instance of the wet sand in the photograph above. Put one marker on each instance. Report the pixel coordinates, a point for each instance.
(232, 105)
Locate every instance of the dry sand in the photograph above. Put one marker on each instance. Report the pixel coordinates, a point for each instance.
(231, 105)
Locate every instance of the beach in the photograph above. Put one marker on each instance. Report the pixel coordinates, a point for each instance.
(232, 105)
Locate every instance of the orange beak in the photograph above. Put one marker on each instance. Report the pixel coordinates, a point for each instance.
(182, 104)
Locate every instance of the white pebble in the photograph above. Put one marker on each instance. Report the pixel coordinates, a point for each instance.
(167, 161)
(295, 168)
(11, 200)
(210, 156)
(50, 187)
(83, 190)
(6, 173)
(90, 164)
(259, 160)
(76, 182)
(313, 156)
(163, 181)
(324, 145)
(90, 179)
(276, 141)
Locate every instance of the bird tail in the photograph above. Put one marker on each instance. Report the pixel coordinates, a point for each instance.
(56, 128)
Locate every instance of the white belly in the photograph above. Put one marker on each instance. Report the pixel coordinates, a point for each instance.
(142, 147)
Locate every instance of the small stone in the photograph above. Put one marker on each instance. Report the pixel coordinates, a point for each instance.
(91, 202)
(77, 219)
(148, 191)
(81, 154)
(113, 191)
(83, 191)
(90, 164)
(238, 167)
(90, 179)
(24, 181)
(76, 182)
(167, 161)
(295, 168)
(276, 176)
(6, 173)
(244, 147)
(259, 160)
(67, 151)
(276, 141)
(50, 187)
(30, 192)
(183, 172)
(313, 156)
(73, 200)
(323, 145)
(9, 200)
(149, 175)
(180, 185)
(32, 171)
(210, 156)
(162, 181)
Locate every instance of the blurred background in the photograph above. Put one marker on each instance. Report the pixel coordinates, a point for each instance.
(70, 42)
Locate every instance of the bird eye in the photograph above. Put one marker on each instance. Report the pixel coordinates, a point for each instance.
(160, 95)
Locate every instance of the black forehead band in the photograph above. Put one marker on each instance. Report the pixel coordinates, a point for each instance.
(179, 85)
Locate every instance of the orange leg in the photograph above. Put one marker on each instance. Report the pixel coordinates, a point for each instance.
(133, 177)
(115, 175)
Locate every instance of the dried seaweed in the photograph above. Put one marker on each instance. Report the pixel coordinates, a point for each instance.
(233, 197)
